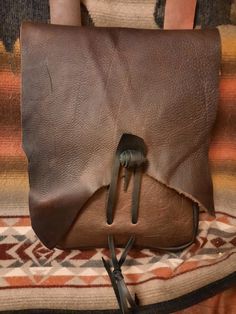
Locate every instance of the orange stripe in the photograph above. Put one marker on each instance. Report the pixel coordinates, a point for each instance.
(18, 281)
(228, 87)
(11, 148)
(222, 151)
(57, 280)
(9, 82)
(25, 221)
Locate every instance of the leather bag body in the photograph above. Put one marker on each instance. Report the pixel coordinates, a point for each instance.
(82, 90)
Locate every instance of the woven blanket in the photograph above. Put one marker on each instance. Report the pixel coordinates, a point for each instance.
(33, 277)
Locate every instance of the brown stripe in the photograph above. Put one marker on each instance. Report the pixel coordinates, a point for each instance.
(227, 167)
(13, 165)
(229, 67)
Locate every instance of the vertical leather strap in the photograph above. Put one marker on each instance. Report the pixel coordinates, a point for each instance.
(122, 293)
(131, 154)
(179, 14)
(65, 12)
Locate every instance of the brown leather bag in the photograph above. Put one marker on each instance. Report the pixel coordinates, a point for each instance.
(116, 128)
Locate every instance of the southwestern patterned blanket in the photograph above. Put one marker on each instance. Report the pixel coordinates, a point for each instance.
(33, 277)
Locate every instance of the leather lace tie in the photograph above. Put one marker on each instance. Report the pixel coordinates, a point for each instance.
(121, 291)
(131, 154)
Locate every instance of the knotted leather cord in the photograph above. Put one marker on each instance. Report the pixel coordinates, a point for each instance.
(121, 291)
(112, 190)
(133, 159)
(136, 194)
(130, 153)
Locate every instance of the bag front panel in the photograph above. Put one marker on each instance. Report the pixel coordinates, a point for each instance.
(83, 88)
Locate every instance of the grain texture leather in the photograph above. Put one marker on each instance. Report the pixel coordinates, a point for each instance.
(82, 89)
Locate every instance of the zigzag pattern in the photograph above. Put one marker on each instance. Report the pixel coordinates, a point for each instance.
(25, 262)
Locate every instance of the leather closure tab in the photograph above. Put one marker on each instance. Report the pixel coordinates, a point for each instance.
(131, 154)
(132, 158)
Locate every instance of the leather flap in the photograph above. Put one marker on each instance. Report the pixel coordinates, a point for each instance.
(82, 88)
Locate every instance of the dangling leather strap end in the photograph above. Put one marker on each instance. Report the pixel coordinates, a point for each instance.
(121, 291)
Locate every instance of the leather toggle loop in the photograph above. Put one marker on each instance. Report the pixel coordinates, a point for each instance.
(131, 154)
(132, 158)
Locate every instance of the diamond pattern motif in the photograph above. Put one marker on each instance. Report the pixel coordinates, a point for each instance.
(218, 242)
(233, 241)
(22, 256)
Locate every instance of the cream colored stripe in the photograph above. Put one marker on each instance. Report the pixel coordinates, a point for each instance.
(58, 298)
(103, 298)
(113, 13)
